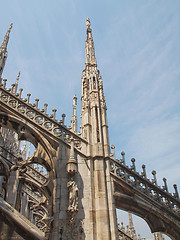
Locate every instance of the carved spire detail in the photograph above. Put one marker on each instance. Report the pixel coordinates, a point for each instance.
(74, 115)
(130, 220)
(92, 84)
(16, 83)
(90, 52)
(6, 38)
(3, 50)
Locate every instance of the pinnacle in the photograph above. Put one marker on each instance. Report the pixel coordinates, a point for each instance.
(88, 23)
(90, 52)
(6, 38)
(3, 51)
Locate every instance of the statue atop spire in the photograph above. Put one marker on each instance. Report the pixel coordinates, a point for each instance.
(16, 83)
(3, 50)
(74, 116)
(88, 23)
(90, 52)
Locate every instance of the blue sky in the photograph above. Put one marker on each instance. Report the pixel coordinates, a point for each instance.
(138, 54)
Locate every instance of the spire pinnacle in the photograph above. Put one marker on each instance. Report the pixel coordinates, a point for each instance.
(74, 116)
(28, 152)
(90, 52)
(130, 220)
(88, 23)
(3, 50)
(16, 83)
(6, 38)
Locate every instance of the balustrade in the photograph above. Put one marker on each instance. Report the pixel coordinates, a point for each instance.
(41, 118)
(140, 182)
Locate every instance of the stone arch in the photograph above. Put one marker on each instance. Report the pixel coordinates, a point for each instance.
(44, 154)
(44, 151)
(156, 218)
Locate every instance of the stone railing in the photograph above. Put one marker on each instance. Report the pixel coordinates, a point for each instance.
(140, 182)
(33, 194)
(123, 235)
(36, 116)
(36, 175)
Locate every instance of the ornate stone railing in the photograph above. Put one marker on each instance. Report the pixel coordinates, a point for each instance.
(35, 195)
(123, 235)
(36, 116)
(36, 175)
(150, 188)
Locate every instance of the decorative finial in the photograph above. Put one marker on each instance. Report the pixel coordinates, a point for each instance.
(143, 174)
(113, 151)
(36, 102)
(74, 100)
(17, 79)
(133, 167)
(4, 83)
(165, 188)
(122, 161)
(90, 52)
(88, 23)
(54, 113)
(16, 83)
(74, 115)
(63, 118)
(45, 107)
(176, 194)
(28, 97)
(154, 180)
(20, 92)
(10, 26)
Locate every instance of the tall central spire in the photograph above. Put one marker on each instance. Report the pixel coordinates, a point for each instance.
(94, 128)
(90, 52)
(92, 100)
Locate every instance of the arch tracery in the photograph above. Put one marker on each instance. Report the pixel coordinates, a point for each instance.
(35, 174)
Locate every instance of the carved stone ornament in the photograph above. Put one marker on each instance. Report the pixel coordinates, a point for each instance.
(21, 165)
(73, 196)
(74, 231)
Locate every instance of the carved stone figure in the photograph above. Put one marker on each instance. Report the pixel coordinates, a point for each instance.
(73, 196)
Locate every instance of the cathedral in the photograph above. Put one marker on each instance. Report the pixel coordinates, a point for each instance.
(58, 183)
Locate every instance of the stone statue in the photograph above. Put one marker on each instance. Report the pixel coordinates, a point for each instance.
(88, 23)
(73, 196)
